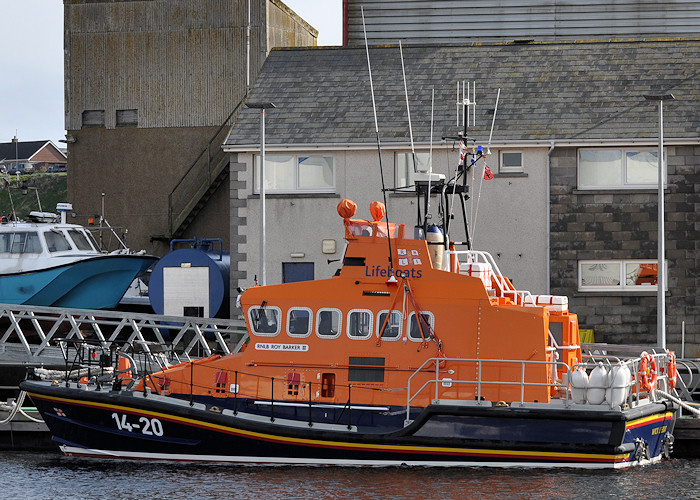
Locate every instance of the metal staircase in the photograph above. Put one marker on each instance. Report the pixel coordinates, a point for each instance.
(199, 183)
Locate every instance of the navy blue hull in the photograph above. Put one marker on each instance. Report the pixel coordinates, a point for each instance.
(117, 424)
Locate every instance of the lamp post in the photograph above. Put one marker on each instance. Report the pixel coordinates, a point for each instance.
(661, 256)
(16, 141)
(262, 106)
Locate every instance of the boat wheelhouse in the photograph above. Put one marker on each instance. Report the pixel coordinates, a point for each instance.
(47, 262)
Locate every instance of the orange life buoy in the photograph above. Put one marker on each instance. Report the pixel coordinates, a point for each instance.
(672, 369)
(648, 372)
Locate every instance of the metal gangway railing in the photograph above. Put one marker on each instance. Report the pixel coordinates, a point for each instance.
(31, 335)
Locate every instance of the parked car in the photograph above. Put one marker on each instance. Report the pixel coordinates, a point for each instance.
(53, 169)
(21, 168)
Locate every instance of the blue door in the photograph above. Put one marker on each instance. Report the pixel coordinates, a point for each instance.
(297, 271)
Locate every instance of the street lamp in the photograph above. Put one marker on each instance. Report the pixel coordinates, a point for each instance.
(661, 257)
(16, 141)
(262, 106)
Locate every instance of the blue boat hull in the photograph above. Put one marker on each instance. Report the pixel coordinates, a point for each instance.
(95, 283)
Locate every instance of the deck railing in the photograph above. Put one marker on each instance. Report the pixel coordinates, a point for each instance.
(560, 389)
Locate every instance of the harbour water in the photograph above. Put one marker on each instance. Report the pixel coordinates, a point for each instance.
(27, 475)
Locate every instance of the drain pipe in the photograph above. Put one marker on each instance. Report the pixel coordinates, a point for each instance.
(247, 55)
(548, 256)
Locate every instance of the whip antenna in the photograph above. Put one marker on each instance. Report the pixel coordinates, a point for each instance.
(408, 108)
(495, 110)
(430, 154)
(379, 147)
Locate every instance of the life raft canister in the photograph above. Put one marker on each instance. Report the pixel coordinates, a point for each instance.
(436, 241)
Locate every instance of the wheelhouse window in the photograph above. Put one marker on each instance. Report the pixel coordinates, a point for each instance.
(392, 330)
(405, 167)
(299, 322)
(80, 240)
(296, 173)
(360, 324)
(427, 323)
(617, 168)
(20, 242)
(511, 162)
(628, 275)
(56, 241)
(328, 323)
(265, 321)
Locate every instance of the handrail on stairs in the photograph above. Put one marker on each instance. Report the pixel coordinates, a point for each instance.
(207, 151)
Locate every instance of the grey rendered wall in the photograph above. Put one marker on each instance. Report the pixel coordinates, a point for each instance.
(511, 222)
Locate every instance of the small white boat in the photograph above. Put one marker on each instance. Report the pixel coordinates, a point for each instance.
(46, 262)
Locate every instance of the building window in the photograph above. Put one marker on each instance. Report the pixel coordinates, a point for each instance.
(617, 168)
(511, 162)
(291, 173)
(607, 275)
(360, 324)
(265, 321)
(328, 323)
(392, 330)
(94, 118)
(405, 167)
(127, 117)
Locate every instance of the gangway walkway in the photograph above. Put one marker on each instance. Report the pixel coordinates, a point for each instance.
(30, 335)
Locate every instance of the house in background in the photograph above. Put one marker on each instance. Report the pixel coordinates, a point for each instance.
(573, 151)
(40, 154)
(151, 88)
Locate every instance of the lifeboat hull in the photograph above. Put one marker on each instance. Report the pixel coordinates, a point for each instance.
(111, 424)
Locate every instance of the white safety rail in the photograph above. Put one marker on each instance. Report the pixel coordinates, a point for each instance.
(688, 379)
(30, 335)
(630, 393)
(503, 287)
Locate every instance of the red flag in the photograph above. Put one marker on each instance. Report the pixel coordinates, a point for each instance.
(488, 175)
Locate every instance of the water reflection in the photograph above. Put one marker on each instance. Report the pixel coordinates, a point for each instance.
(34, 475)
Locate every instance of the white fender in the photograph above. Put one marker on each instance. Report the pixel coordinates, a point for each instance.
(598, 381)
(620, 377)
(579, 385)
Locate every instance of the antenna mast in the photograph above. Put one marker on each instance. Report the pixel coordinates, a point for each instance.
(379, 147)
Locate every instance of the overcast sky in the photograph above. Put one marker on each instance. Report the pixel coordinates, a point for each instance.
(31, 83)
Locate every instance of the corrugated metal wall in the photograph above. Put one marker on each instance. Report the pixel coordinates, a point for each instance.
(179, 63)
(449, 21)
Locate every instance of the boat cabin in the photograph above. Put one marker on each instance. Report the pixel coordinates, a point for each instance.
(399, 311)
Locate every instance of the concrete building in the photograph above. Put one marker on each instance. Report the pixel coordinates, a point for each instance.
(151, 87)
(558, 201)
